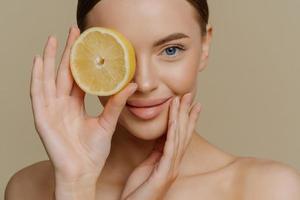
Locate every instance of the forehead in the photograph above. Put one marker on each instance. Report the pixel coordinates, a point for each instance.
(148, 17)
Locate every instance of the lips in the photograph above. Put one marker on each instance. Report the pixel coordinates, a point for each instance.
(146, 102)
(147, 109)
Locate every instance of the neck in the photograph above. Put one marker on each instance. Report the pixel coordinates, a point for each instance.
(128, 151)
(130, 148)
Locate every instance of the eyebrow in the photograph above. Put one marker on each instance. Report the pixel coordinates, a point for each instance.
(174, 36)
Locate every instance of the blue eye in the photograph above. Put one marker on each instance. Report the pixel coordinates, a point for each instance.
(171, 51)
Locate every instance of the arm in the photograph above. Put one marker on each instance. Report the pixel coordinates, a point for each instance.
(37, 182)
(30, 183)
(84, 189)
(77, 144)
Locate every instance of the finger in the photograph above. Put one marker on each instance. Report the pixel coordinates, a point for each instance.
(193, 116)
(36, 86)
(183, 118)
(178, 136)
(64, 77)
(184, 109)
(113, 108)
(78, 94)
(49, 67)
(170, 144)
(182, 134)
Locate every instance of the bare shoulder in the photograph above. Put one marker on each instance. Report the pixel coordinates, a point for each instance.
(35, 181)
(269, 179)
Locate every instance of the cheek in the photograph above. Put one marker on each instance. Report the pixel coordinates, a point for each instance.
(182, 76)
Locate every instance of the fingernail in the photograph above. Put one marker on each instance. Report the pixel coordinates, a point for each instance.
(133, 87)
(189, 97)
(73, 26)
(189, 94)
(51, 38)
(177, 100)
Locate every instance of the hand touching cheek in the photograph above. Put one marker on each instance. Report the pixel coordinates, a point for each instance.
(153, 177)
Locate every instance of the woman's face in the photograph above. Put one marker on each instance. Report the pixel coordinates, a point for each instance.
(163, 70)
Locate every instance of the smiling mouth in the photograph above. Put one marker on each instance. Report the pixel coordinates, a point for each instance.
(147, 106)
(147, 112)
(146, 103)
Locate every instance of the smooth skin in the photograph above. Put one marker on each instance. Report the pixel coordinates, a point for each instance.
(118, 156)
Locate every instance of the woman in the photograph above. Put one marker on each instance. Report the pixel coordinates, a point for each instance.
(142, 156)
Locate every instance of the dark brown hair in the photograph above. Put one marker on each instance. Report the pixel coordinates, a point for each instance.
(202, 15)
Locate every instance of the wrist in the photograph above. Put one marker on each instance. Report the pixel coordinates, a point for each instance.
(75, 189)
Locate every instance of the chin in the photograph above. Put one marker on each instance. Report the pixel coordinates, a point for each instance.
(150, 129)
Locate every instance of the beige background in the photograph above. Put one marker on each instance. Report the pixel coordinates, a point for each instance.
(249, 92)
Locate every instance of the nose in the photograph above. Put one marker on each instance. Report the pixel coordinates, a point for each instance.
(145, 75)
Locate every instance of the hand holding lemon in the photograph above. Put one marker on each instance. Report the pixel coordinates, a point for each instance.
(76, 143)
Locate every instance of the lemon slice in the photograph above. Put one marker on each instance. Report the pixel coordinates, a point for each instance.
(102, 61)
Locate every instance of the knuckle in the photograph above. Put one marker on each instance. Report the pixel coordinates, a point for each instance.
(37, 124)
(33, 94)
(116, 102)
(172, 122)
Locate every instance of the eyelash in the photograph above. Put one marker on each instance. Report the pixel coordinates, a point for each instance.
(177, 46)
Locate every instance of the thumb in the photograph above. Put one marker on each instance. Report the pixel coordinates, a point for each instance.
(109, 117)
